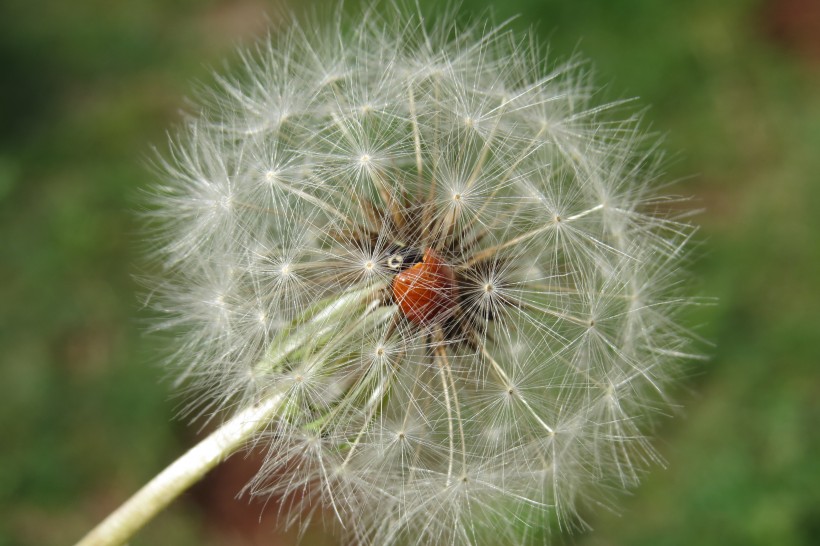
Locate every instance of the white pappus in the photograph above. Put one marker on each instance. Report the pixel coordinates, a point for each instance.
(449, 263)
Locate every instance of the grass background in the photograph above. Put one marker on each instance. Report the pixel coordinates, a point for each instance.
(87, 86)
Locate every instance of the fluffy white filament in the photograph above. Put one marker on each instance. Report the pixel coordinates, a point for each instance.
(336, 151)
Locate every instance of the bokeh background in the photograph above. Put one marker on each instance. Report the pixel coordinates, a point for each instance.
(86, 87)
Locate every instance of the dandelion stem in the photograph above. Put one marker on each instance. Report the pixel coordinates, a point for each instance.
(157, 494)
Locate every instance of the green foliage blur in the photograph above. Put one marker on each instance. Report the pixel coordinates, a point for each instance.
(87, 87)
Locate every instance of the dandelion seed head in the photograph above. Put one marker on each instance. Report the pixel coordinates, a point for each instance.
(453, 264)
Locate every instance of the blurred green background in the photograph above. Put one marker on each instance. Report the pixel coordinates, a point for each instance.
(86, 87)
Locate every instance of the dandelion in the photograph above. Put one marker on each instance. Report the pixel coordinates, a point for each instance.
(420, 269)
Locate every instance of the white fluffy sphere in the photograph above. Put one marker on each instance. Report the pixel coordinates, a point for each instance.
(451, 262)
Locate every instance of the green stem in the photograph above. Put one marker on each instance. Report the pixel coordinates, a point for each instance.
(314, 328)
(157, 494)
